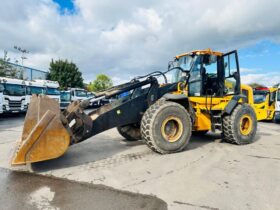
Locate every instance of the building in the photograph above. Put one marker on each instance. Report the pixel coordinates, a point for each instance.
(28, 73)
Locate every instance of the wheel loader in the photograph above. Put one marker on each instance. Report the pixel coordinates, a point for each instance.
(207, 96)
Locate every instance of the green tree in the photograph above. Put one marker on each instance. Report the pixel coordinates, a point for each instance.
(6, 69)
(101, 82)
(256, 85)
(66, 73)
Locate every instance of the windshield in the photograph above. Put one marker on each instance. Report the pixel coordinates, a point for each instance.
(184, 62)
(65, 96)
(14, 90)
(90, 95)
(174, 75)
(53, 91)
(81, 93)
(35, 90)
(260, 96)
(278, 95)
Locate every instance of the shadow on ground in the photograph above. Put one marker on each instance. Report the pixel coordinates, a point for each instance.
(28, 191)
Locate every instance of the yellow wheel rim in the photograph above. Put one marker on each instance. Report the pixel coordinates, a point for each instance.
(172, 129)
(246, 125)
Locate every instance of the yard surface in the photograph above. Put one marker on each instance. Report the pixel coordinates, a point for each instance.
(209, 174)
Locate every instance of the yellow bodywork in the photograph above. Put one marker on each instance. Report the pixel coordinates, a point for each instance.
(201, 106)
(266, 110)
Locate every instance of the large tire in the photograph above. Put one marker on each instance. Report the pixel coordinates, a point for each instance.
(130, 132)
(166, 127)
(241, 126)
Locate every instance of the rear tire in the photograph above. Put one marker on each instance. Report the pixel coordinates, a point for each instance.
(166, 127)
(241, 126)
(130, 132)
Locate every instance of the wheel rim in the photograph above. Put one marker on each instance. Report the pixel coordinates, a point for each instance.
(172, 129)
(246, 125)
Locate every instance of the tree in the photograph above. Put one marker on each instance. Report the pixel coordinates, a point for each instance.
(101, 82)
(66, 73)
(256, 85)
(7, 69)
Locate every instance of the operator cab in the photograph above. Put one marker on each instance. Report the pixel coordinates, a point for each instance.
(210, 73)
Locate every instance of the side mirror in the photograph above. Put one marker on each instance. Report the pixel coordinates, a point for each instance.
(225, 65)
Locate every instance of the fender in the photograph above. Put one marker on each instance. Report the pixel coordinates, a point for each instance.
(183, 100)
(233, 103)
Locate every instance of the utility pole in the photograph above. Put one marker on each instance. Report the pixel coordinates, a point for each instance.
(23, 52)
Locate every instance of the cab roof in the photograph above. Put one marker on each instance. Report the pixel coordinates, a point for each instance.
(200, 52)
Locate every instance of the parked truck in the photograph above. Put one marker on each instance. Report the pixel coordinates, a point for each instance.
(52, 89)
(78, 94)
(34, 87)
(65, 99)
(12, 95)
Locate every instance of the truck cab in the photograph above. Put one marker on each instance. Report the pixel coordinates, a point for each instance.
(78, 94)
(13, 95)
(52, 89)
(65, 99)
(277, 106)
(34, 87)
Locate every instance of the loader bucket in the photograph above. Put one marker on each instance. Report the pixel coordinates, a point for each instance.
(44, 137)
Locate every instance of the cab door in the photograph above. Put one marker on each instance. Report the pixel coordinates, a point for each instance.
(231, 73)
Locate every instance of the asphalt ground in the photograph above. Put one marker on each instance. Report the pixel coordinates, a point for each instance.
(208, 174)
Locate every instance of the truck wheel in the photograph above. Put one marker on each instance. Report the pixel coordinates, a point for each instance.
(130, 132)
(166, 127)
(199, 133)
(241, 126)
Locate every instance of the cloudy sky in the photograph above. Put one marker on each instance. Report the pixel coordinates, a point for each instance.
(124, 38)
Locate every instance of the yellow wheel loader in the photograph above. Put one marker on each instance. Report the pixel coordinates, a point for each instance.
(207, 96)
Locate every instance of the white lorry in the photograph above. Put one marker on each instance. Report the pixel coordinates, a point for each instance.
(34, 87)
(52, 89)
(65, 99)
(13, 95)
(277, 106)
(78, 94)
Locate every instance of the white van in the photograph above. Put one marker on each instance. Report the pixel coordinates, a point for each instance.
(34, 87)
(13, 95)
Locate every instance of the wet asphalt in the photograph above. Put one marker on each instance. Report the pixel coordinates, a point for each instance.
(23, 191)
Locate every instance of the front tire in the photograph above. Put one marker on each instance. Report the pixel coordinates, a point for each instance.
(166, 127)
(241, 126)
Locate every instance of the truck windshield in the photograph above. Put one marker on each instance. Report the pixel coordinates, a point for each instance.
(81, 93)
(260, 96)
(53, 91)
(65, 96)
(14, 90)
(278, 95)
(35, 90)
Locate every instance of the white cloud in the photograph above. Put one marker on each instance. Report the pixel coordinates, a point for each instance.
(267, 79)
(126, 38)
